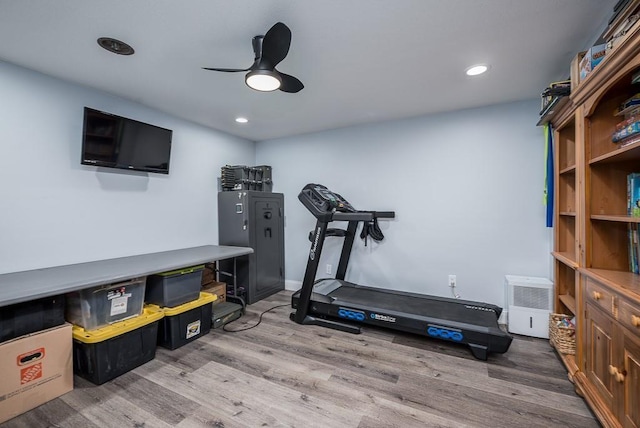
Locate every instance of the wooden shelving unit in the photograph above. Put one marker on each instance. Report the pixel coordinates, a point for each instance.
(568, 301)
(591, 245)
(566, 210)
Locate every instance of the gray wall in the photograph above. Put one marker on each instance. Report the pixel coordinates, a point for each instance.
(55, 211)
(466, 186)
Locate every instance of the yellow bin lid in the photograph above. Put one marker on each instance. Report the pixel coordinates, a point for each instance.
(204, 299)
(149, 315)
(182, 271)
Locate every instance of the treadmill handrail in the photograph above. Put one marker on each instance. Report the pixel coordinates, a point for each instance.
(384, 214)
(357, 216)
(361, 215)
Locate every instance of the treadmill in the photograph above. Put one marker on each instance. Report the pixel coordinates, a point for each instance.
(342, 305)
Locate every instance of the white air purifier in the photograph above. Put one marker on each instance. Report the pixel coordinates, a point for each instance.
(529, 301)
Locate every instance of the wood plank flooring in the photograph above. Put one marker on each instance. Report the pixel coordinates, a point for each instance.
(280, 374)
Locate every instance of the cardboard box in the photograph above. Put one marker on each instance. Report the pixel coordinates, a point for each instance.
(35, 368)
(575, 69)
(592, 58)
(209, 273)
(217, 288)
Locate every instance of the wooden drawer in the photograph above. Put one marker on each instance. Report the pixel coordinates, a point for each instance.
(629, 315)
(600, 296)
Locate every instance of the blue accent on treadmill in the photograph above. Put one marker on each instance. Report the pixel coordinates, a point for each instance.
(444, 333)
(350, 314)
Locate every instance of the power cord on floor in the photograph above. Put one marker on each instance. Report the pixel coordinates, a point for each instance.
(224, 327)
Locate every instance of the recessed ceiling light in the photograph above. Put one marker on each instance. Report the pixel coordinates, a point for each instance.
(242, 120)
(115, 46)
(477, 69)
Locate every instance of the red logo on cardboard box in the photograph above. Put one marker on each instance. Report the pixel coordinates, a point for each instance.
(30, 357)
(30, 373)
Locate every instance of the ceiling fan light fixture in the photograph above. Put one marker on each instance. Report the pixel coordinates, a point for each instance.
(263, 80)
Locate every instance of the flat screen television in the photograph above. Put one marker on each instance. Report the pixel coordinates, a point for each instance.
(113, 141)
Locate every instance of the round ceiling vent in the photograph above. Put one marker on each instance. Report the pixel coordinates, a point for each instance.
(115, 46)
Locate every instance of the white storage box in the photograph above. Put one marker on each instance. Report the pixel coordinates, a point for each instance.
(529, 303)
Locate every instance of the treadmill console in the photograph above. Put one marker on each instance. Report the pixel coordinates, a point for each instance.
(321, 201)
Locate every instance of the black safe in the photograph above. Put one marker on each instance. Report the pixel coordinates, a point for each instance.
(253, 219)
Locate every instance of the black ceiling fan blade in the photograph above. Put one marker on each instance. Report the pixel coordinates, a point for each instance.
(227, 70)
(290, 84)
(275, 44)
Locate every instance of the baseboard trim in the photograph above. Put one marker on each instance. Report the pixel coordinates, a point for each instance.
(504, 317)
(291, 285)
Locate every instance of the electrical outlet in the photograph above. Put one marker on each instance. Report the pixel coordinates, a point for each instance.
(329, 269)
(452, 281)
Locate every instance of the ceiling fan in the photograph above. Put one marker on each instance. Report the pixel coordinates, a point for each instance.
(269, 50)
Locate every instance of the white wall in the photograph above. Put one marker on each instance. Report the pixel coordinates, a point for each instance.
(55, 211)
(466, 187)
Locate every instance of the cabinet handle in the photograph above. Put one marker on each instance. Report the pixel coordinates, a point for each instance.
(613, 371)
(635, 321)
(597, 295)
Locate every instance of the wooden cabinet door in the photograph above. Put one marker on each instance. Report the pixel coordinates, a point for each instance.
(599, 348)
(630, 404)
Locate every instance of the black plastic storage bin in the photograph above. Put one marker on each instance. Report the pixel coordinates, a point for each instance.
(106, 353)
(174, 288)
(186, 323)
(29, 317)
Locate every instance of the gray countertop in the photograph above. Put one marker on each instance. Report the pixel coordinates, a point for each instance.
(27, 285)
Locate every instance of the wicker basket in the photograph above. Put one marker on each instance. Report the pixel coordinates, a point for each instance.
(562, 338)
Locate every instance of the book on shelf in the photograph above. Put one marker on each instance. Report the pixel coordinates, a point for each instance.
(633, 194)
(629, 141)
(633, 210)
(633, 248)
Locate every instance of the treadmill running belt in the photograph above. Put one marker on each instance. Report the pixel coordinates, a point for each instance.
(446, 309)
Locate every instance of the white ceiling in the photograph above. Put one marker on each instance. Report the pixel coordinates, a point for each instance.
(360, 60)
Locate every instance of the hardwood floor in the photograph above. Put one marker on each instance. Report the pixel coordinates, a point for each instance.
(281, 374)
